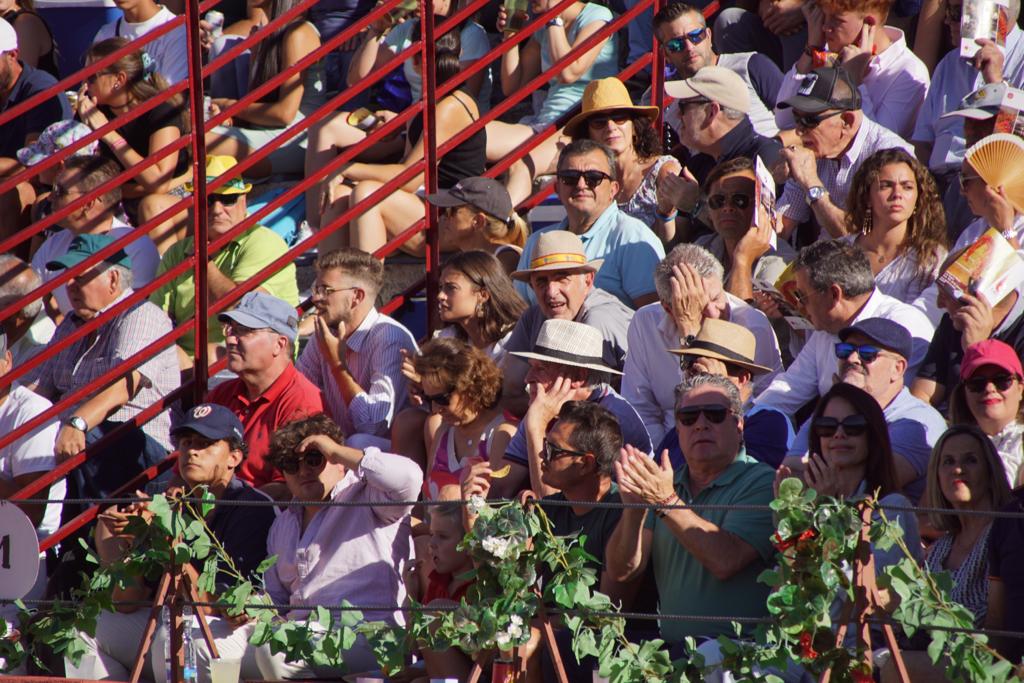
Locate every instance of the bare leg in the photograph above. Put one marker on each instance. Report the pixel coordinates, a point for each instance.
(233, 147)
(407, 436)
(169, 231)
(337, 204)
(385, 219)
(505, 137)
(16, 215)
(324, 138)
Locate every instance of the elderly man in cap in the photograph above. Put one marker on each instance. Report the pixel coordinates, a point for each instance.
(562, 281)
(712, 107)
(115, 341)
(269, 391)
(356, 353)
(211, 447)
(29, 329)
(836, 138)
(565, 365)
(691, 293)
(588, 182)
(237, 261)
(78, 176)
(872, 355)
(727, 349)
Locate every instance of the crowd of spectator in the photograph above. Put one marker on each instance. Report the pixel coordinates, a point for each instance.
(749, 283)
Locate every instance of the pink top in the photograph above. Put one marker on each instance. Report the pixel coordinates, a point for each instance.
(447, 464)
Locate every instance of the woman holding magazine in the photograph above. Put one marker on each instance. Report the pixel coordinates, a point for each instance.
(896, 218)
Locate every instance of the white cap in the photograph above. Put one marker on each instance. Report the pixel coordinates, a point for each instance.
(8, 38)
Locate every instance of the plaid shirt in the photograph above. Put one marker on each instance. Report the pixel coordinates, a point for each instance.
(112, 343)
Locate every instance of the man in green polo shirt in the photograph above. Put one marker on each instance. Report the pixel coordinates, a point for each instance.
(706, 562)
(235, 262)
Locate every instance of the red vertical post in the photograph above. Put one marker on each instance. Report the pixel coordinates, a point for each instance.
(200, 235)
(429, 80)
(658, 73)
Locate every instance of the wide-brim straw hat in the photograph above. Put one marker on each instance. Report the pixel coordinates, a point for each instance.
(569, 343)
(727, 342)
(557, 250)
(605, 94)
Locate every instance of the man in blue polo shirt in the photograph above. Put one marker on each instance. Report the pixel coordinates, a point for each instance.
(588, 181)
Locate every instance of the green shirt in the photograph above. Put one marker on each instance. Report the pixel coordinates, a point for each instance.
(239, 260)
(684, 585)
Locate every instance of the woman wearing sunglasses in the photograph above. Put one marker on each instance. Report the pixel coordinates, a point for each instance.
(896, 217)
(462, 386)
(611, 118)
(965, 474)
(989, 396)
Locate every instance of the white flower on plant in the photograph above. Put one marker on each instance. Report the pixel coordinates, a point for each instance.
(499, 547)
(515, 626)
(476, 505)
(503, 639)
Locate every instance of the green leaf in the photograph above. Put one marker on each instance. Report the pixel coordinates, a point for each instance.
(266, 565)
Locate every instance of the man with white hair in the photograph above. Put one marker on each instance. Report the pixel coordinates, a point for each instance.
(29, 329)
(690, 291)
(132, 330)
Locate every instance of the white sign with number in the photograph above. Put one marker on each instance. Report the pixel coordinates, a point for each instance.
(19, 552)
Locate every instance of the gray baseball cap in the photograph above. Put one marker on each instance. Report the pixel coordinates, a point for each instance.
(981, 104)
(486, 194)
(259, 309)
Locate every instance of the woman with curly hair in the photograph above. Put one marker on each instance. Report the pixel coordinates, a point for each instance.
(611, 118)
(461, 385)
(896, 218)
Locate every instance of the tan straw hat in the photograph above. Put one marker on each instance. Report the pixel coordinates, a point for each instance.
(569, 343)
(557, 250)
(605, 94)
(727, 342)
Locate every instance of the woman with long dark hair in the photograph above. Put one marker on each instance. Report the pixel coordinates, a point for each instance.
(896, 218)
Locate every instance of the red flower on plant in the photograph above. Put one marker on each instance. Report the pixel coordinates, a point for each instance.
(807, 650)
(860, 676)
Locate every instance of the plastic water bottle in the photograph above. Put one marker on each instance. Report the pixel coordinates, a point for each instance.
(165, 616)
(191, 673)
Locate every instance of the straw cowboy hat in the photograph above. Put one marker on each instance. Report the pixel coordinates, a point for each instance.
(604, 95)
(557, 250)
(569, 343)
(727, 342)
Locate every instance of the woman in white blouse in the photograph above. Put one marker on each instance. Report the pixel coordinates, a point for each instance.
(895, 216)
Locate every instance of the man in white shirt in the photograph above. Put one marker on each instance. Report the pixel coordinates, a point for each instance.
(836, 138)
(169, 51)
(79, 176)
(29, 329)
(690, 291)
(354, 356)
(836, 288)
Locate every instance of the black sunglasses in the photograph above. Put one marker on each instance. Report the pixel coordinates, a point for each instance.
(853, 425)
(1002, 382)
(812, 121)
(444, 399)
(695, 37)
(591, 178)
(736, 201)
(866, 352)
(601, 121)
(714, 414)
(553, 452)
(313, 460)
(224, 199)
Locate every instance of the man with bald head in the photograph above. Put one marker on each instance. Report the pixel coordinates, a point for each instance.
(28, 329)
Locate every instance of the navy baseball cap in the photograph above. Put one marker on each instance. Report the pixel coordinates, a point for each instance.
(886, 333)
(259, 309)
(211, 420)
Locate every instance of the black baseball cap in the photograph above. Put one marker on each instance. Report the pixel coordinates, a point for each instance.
(211, 420)
(486, 194)
(816, 92)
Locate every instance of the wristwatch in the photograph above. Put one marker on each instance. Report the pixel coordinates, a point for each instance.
(78, 423)
(815, 193)
(557, 21)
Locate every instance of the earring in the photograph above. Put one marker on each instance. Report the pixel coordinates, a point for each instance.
(480, 310)
(868, 223)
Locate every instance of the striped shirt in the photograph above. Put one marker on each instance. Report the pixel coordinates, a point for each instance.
(837, 174)
(111, 344)
(376, 365)
(970, 579)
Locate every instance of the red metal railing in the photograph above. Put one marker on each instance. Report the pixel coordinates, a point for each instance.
(432, 91)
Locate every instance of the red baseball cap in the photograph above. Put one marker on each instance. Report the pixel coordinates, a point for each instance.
(990, 352)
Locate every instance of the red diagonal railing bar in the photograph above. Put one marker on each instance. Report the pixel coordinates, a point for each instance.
(88, 515)
(401, 298)
(428, 78)
(137, 295)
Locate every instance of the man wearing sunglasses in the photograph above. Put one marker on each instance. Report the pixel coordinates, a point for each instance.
(720, 551)
(78, 176)
(327, 554)
(238, 260)
(686, 43)
(587, 186)
(836, 138)
(872, 355)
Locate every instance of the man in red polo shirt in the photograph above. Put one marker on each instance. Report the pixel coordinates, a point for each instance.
(269, 392)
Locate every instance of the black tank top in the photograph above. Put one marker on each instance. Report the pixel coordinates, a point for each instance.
(466, 160)
(47, 62)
